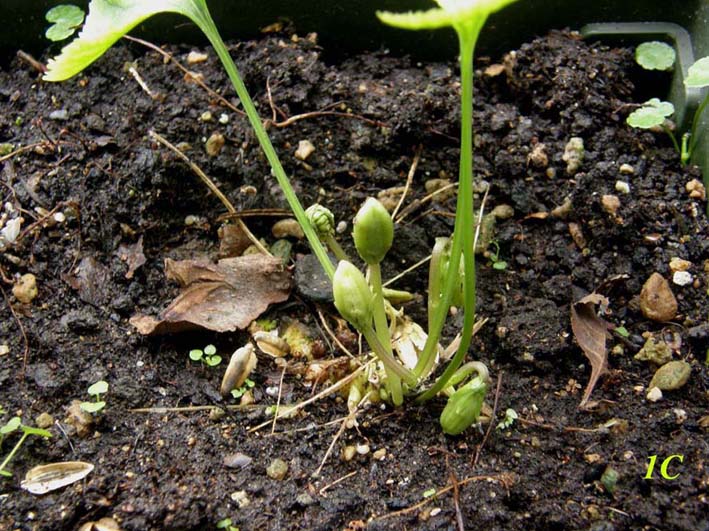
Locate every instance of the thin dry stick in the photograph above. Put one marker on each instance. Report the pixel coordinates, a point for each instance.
(278, 400)
(456, 500)
(492, 420)
(212, 187)
(192, 409)
(336, 482)
(407, 271)
(325, 392)
(332, 335)
(416, 204)
(22, 150)
(409, 180)
(347, 419)
(26, 353)
(139, 79)
(503, 478)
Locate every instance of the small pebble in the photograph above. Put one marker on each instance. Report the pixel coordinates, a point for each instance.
(223, 118)
(348, 453)
(626, 169)
(288, 227)
(4, 349)
(678, 264)
(503, 212)
(26, 288)
(60, 115)
(573, 155)
(277, 469)
(680, 415)
(59, 217)
(671, 376)
(654, 394)
(696, 189)
(362, 449)
(206, 116)
(657, 301)
(214, 144)
(656, 352)
(237, 460)
(610, 204)
(304, 499)
(682, 278)
(341, 227)
(44, 420)
(240, 498)
(305, 149)
(380, 454)
(194, 58)
(11, 230)
(538, 157)
(622, 187)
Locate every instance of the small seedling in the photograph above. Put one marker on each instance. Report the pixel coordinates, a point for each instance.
(14, 424)
(510, 417)
(65, 20)
(208, 356)
(95, 390)
(429, 493)
(226, 524)
(498, 264)
(238, 393)
(653, 113)
(655, 55)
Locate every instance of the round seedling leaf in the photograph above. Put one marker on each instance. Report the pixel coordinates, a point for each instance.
(11, 425)
(196, 355)
(213, 361)
(92, 407)
(698, 74)
(651, 114)
(655, 55)
(210, 350)
(59, 32)
(66, 14)
(98, 388)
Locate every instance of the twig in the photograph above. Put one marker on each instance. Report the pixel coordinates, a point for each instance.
(26, 354)
(278, 400)
(138, 78)
(337, 481)
(332, 335)
(325, 392)
(349, 418)
(406, 271)
(416, 204)
(492, 420)
(22, 150)
(456, 501)
(192, 409)
(409, 179)
(212, 187)
(504, 479)
(39, 67)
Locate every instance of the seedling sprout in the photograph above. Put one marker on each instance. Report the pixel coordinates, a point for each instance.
(208, 356)
(65, 20)
(95, 390)
(655, 55)
(14, 424)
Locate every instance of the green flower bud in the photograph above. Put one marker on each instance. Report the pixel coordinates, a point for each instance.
(322, 220)
(463, 407)
(353, 298)
(373, 231)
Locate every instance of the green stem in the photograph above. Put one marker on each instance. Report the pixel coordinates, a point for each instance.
(206, 24)
(672, 137)
(434, 278)
(464, 214)
(336, 249)
(381, 328)
(13, 452)
(695, 123)
(387, 359)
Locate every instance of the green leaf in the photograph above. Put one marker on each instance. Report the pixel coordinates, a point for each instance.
(415, 20)
(210, 350)
(108, 21)
(500, 265)
(29, 430)
(196, 354)
(213, 361)
(651, 114)
(11, 425)
(655, 55)
(698, 74)
(5, 473)
(428, 493)
(67, 14)
(224, 524)
(92, 407)
(622, 331)
(98, 388)
(59, 32)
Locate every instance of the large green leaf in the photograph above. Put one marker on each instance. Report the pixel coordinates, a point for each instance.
(108, 21)
(450, 13)
(698, 74)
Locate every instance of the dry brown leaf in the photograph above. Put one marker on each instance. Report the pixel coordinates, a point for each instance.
(92, 280)
(591, 332)
(222, 297)
(132, 255)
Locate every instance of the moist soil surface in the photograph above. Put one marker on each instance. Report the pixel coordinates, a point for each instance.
(94, 163)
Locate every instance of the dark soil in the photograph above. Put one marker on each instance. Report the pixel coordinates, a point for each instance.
(167, 470)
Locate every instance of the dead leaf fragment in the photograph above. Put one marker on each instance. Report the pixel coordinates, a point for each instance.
(46, 478)
(222, 297)
(92, 280)
(591, 332)
(132, 255)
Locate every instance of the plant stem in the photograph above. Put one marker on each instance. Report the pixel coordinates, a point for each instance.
(13, 452)
(387, 359)
(335, 247)
(464, 234)
(206, 24)
(695, 122)
(674, 141)
(381, 328)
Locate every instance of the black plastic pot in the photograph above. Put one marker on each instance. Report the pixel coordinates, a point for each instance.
(351, 26)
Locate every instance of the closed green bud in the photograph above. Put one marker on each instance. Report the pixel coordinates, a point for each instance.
(353, 298)
(463, 407)
(373, 231)
(322, 220)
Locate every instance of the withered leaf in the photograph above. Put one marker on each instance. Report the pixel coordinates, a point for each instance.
(591, 332)
(46, 478)
(132, 255)
(92, 280)
(222, 297)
